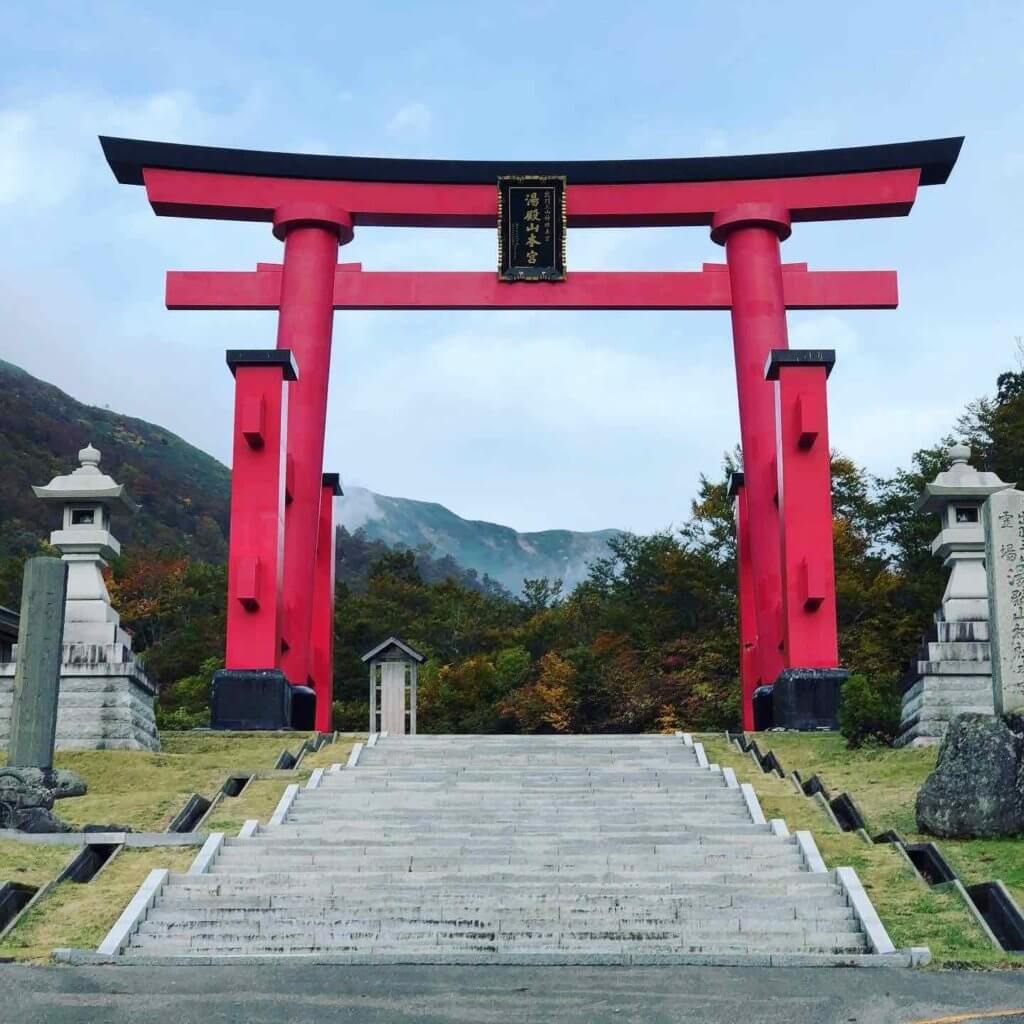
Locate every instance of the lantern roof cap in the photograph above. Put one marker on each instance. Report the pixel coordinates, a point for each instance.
(393, 641)
(961, 481)
(86, 483)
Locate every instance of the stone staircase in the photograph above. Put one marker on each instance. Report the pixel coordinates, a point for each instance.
(482, 849)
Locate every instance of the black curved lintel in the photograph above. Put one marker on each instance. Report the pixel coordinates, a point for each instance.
(934, 157)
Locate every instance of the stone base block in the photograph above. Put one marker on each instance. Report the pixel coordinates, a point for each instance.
(935, 700)
(107, 707)
(251, 699)
(808, 698)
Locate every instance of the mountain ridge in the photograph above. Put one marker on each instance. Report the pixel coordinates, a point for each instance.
(183, 493)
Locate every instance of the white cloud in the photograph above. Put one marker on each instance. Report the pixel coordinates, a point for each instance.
(412, 121)
(826, 330)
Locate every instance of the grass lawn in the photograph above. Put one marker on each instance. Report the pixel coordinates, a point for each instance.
(81, 915)
(144, 791)
(32, 863)
(884, 783)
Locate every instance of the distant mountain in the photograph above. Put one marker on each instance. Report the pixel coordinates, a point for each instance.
(183, 494)
(182, 491)
(499, 551)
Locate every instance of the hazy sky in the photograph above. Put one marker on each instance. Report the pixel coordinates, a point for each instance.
(580, 420)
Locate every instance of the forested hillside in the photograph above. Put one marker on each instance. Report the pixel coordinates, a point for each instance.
(646, 641)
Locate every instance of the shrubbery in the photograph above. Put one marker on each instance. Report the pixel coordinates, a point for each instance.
(870, 710)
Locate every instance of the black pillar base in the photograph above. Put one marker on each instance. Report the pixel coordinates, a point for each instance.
(251, 699)
(303, 708)
(808, 698)
(762, 701)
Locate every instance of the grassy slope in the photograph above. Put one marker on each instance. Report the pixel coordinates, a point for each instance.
(884, 784)
(144, 791)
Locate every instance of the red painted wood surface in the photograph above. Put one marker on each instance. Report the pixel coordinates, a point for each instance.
(321, 636)
(395, 204)
(805, 510)
(256, 537)
(582, 289)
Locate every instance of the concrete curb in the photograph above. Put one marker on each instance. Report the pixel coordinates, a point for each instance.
(809, 851)
(702, 758)
(819, 799)
(753, 805)
(372, 739)
(249, 829)
(869, 919)
(130, 839)
(207, 855)
(314, 779)
(353, 757)
(284, 805)
(336, 767)
(730, 779)
(133, 915)
(778, 827)
(904, 958)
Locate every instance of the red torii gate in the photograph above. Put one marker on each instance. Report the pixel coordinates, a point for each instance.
(279, 608)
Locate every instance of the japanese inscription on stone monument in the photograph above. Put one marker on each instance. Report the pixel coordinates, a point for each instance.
(531, 228)
(1003, 517)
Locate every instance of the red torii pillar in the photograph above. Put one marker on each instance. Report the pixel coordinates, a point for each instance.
(321, 638)
(806, 694)
(745, 618)
(249, 693)
(751, 233)
(311, 232)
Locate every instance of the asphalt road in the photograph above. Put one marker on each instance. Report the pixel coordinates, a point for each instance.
(291, 994)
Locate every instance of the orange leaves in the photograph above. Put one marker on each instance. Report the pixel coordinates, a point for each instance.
(547, 704)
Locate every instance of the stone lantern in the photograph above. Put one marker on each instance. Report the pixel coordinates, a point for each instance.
(393, 666)
(953, 670)
(956, 497)
(86, 498)
(105, 699)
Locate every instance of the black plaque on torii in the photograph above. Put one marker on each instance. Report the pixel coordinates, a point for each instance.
(531, 227)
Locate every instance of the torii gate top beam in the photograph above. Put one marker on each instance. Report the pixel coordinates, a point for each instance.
(248, 185)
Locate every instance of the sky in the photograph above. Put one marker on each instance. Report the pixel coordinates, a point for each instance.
(579, 420)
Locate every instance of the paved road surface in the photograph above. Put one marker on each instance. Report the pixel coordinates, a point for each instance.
(294, 994)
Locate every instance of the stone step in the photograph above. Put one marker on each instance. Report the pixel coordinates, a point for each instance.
(266, 920)
(413, 904)
(326, 934)
(501, 847)
(519, 845)
(358, 833)
(732, 860)
(583, 943)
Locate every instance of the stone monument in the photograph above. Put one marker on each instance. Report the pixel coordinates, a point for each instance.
(29, 783)
(952, 673)
(1003, 516)
(106, 700)
(393, 666)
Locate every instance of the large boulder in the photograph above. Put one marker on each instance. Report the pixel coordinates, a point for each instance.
(27, 796)
(61, 782)
(977, 787)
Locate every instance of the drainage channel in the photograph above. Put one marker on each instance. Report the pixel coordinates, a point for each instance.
(990, 901)
(14, 897)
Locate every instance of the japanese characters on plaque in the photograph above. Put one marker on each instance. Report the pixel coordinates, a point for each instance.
(1004, 557)
(531, 228)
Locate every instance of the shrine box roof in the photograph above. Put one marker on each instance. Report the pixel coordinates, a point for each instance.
(128, 158)
(392, 645)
